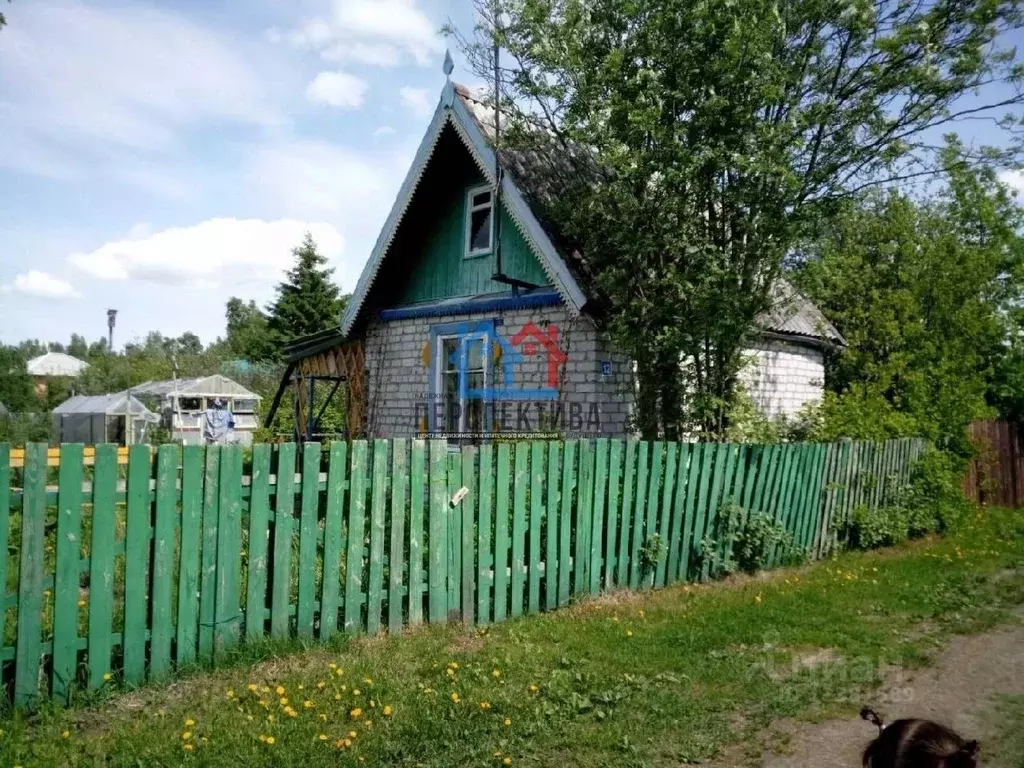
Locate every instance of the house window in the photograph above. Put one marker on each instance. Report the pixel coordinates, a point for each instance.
(479, 221)
(463, 376)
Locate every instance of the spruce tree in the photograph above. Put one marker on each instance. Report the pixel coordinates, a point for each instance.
(307, 300)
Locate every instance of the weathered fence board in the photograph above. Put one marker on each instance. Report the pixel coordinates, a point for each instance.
(214, 551)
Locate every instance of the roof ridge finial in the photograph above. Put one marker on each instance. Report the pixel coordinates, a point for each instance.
(449, 65)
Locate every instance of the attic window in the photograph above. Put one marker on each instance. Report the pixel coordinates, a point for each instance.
(479, 221)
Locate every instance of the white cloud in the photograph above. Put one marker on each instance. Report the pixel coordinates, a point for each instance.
(216, 252)
(371, 31)
(374, 54)
(42, 285)
(337, 89)
(85, 83)
(419, 100)
(384, 130)
(1014, 180)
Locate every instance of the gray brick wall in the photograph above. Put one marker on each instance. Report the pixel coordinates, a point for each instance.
(399, 376)
(783, 377)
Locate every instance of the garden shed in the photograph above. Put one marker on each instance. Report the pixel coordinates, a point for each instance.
(182, 402)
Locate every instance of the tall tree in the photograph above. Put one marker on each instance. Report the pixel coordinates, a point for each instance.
(248, 336)
(78, 346)
(307, 300)
(925, 293)
(690, 145)
(16, 391)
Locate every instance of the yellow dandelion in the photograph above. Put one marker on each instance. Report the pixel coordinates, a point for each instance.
(368, 724)
(308, 704)
(641, 614)
(353, 735)
(337, 697)
(323, 737)
(455, 697)
(284, 702)
(321, 685)
(187, 747)
(368, 680)
(496, 674)
(231, 694)
(508, 722)
(270, 740)
(279, 690)
(373, 703)
(485, 705)
(387, 710)
(184, 737)
(507, 761)
(253, 687)
(356, 713)
(757, 599)
(107, 676)
(264, 703)
(629, 633)
(332, 665)
(615, 619)
(357, 692)
(451, 672)
(190, 722)
(262, 737)
(249, 718)
(323, 717)
(347, 743)
(339, 672)
(81, 603)
(534, 688)
(301, 687)
(65, 735)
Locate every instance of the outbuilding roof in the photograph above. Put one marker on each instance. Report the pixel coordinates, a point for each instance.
(56, 364)
(203, 386)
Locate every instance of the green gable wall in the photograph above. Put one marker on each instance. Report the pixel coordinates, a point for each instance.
(426, 260)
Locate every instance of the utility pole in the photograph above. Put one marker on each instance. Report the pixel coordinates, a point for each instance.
(111, 321)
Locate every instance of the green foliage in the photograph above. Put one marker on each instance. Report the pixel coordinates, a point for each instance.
(742, 542)
(16, 392)
(650, 552)
(248, 335)
(717, 135)
(923, 291)
(307, 301)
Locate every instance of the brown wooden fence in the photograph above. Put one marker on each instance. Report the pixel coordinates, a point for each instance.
(996, 475)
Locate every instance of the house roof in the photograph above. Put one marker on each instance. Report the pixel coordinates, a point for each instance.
(524, 182)
(452, 110)
(793, 314)
(56, 364)
(204, 386)
(114, 404)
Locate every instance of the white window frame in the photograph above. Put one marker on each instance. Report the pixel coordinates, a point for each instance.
(470, 210)
(439, 372)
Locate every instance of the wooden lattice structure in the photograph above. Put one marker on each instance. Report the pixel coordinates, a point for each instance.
(324, 358)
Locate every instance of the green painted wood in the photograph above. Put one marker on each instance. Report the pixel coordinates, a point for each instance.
(722, 461)
(417, 498)
(29, 644)
(665, 513)
(519, 527)
(354, 593)
(753, 468)
(208, 569)
(626, 547)
(551, 527)
(826, 498)
(437, 543)
(396, 553)
(581, 524)
(432, 257)
(812, 501)
(468, 528)
(791, 498)
(5, 526)
(309, 533)
(136, 565)
(67, 551)
(780, 488)
(485, 538)
(378, 505)
(569, 476)
(800, 489)
(101, 557)
(639, 537)
(735, 496)
(331, 591)
(612, 522)
(696, 505)
(257, 548)
(597, 515)
(284, 520)
(765, 477)
(534, 557)
(162, 633)
(653, 501)
(675, 537)
(229, 551)
(503, 489)
(454, 483)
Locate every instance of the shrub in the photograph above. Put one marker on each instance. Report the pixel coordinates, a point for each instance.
(747, 542)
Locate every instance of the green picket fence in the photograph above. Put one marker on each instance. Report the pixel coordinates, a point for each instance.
(133, 571)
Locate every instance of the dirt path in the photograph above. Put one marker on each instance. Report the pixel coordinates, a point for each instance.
(957, 690)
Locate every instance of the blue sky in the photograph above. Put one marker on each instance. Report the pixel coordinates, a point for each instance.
(161, 157)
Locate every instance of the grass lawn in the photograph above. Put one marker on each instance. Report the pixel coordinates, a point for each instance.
(658, 678)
